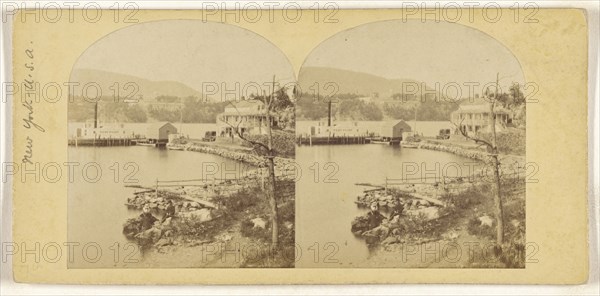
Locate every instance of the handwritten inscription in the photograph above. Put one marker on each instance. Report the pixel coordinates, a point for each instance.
(27, 101)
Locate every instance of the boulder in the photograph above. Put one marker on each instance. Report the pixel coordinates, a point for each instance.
(151, 235)
(359, 225)
(486, 220)
(390, 240)
(430, 213)
(132, 227)
(259, 222)
(202, 214)
(164, 242)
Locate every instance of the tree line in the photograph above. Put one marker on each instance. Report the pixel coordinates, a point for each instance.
(399, 106)
(166, 108)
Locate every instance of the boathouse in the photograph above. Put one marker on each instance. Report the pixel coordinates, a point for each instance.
(394, 129)
(158, 132)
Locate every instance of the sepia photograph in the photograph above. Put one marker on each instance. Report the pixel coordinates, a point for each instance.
(185, 150)
(419, 131)
(302, 144)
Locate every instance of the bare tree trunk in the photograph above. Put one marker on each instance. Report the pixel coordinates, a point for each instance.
(497, 197)
(271, 164)
(273, 203)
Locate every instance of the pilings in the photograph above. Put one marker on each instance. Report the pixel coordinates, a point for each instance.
(104, 142)
(332, 140)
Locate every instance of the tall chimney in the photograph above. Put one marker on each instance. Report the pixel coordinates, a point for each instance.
(96, 115)
(329, 114)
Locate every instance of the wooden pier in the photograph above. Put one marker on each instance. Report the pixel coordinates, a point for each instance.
(105, 142)
(335, 140)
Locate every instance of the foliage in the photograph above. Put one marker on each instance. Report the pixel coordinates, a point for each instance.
(472, 197)
(283, 143)
(311, 108)
(475, 227)
(282, 108)
(510, 141)
(355, 109)
(434, 110)
(193, 110)
(344, 107)
(242, 200)
(80, 110)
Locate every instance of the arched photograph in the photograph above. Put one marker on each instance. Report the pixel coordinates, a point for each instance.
(418, 128)
(183, 131)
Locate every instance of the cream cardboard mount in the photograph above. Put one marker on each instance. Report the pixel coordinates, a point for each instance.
(141, 147)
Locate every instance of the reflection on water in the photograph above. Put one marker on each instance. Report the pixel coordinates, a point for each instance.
(97, 211)
(324, 211)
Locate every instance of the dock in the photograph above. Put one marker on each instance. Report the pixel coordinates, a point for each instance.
(101, 142)
(334, 140)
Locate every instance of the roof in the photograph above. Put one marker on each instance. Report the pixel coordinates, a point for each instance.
(238, 107)
(393, 123)
(159, 124)
(479, 108)
(244, 104)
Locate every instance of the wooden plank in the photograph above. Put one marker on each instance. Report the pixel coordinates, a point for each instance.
(429, 199)
(200, 201)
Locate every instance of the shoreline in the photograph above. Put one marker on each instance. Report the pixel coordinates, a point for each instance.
(223, 212)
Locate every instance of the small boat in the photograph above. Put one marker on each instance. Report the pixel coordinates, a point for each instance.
(409, 145)
(175, 147)
(385, 141)
(146, 144)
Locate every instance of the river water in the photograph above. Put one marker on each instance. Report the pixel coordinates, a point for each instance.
(96, 210)
(325, 195)
(325, 210)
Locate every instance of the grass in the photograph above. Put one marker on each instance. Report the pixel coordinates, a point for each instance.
(464, 210)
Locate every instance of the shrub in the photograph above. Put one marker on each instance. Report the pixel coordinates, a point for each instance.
(242, 200)
(510, 141)
(472, 197)
(284, 143)
(475, 228)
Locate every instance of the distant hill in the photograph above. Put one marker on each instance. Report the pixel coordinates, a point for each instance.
(147, 88)
(357, 100)
(352, 82)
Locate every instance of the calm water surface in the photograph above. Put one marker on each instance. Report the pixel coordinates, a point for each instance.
(324, 211)
(96, 211)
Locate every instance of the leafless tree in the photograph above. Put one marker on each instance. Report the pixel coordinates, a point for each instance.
(492, 148)
(269, 154)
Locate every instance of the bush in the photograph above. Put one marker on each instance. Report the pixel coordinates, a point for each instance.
(242, 200)
(284, 143)
(510, 141)
(475, 228)
(472, 197)
(262, 234)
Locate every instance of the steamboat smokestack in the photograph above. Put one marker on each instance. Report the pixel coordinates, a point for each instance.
(329, 114)
(96, 115)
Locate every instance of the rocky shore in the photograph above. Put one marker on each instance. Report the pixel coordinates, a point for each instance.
(284, 167)
(207, 212)
(458, 150)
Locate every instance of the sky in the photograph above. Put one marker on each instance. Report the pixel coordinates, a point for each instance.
(190, 52)
(429, 52)
(196, 53)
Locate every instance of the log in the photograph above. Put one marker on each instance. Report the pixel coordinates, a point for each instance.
(429, 199)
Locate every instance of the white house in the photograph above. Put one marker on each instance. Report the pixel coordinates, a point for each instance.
(474, 118)
(245, 117)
